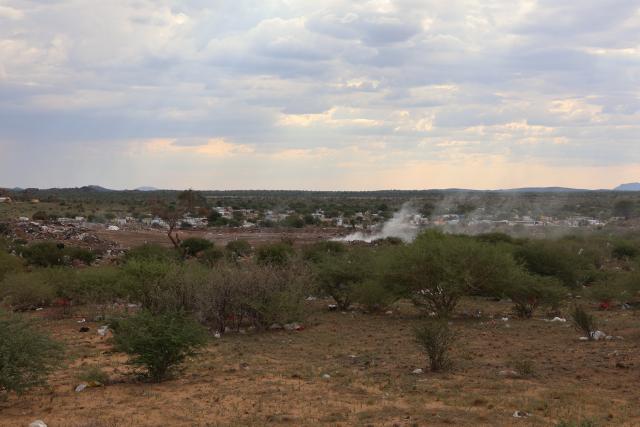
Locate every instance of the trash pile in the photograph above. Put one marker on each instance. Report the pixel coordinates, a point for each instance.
(79, 235)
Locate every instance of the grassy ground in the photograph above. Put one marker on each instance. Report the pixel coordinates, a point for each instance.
(276, 378)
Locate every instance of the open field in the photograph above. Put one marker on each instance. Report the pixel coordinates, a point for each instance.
(277, 378)
(221, 236)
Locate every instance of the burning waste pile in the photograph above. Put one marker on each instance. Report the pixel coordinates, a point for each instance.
(402, 225)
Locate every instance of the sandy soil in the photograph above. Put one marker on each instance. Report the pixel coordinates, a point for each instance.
(276, 378)
(130, 238)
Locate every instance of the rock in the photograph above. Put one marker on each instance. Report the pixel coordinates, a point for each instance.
(521, 414)
(84, 329)
(417, 371)
(326, 376)
(81, 387)
(103, 330)
(38, 423)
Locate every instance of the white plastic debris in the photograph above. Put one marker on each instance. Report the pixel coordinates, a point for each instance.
(293, 327)
(558, 319)
(521, 414)
(82, 320)
(311, 298)
(418, 371)
(113, 228)
(505, 319)
(326, 376)
(598, 335)
(103, 330)
(38, 423)
(388, 313)
(81, 387)
(217, 335)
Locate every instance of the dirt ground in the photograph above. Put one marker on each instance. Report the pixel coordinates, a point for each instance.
(278, 377)
(131, 238)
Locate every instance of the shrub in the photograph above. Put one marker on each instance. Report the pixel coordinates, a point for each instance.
(9, 264)
(97, 285)
(278, 254)
(27, 356)
(26, 291)
(194, 245)
(525, 368)
(160, 286)
(625, 250)
(158, 342)
(436, 270)
(315, 252)
(238, 249)
(212, 256)
(80, 254)
(553, 258)
(584, 321)
(436, 337)
(93, 374)
(44, 254)
(338, 275)
(150, 252)
(528, 292)
(373, 295)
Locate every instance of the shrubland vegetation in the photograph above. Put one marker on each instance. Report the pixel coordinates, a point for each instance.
(180, 294)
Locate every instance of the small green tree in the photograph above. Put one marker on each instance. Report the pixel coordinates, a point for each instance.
(277, 254)
(339, 274)
(194, 245)
(27, 356)
(528, 292)
(238, 248)
(436, 337)
(158, 342)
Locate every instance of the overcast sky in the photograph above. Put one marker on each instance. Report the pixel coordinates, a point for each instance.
(331, 94)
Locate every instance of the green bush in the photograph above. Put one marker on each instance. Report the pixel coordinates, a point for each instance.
(158, 342)
(27, 356)
(339, 274)
(151, 252)
(44, 254)
(278, 254)
(238, 249)
(436, 270)
(9, 264)
(212, 256)
(436, 337)
(625, 250)
(315, 252)
(528, 292)
(93, 374)
(97, 285)
(373, 295)
(194, 245)
(26, 291)
(558, 259)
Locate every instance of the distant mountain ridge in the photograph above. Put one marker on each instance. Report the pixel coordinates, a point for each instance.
(632, 186)
(146, 189)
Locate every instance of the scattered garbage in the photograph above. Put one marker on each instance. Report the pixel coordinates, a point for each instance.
(103, 330)
(113, 228)
(275, 326)
(521, 414)
(38, 423)
(217, 335)
(332, 307)
(82, 320)
(417, 371)
(326, 376)
(311, 298)
(81, 387)
(505, 319)
(293, 327)
(597, 336)
(559, 319)
(91, 384)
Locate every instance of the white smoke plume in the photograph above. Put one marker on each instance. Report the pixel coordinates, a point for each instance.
(400, 225)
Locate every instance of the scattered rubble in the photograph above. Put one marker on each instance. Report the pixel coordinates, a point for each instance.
(38, 423)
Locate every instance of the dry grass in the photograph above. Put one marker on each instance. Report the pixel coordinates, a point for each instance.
(277, 378)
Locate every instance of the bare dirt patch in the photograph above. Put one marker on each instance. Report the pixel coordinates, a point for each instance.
(279, 377)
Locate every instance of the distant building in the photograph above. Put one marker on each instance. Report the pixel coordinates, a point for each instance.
(5, 200)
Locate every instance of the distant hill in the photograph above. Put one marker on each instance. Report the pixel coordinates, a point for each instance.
(544, 190)
(94, 188)
(633, 186)
(146, 189)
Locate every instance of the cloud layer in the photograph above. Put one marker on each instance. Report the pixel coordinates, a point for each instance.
(319, 95)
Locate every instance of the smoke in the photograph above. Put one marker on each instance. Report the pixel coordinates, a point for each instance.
(401, 225)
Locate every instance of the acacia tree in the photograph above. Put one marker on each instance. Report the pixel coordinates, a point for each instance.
(172, 215)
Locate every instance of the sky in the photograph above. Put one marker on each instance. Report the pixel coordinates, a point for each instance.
(319, 95)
